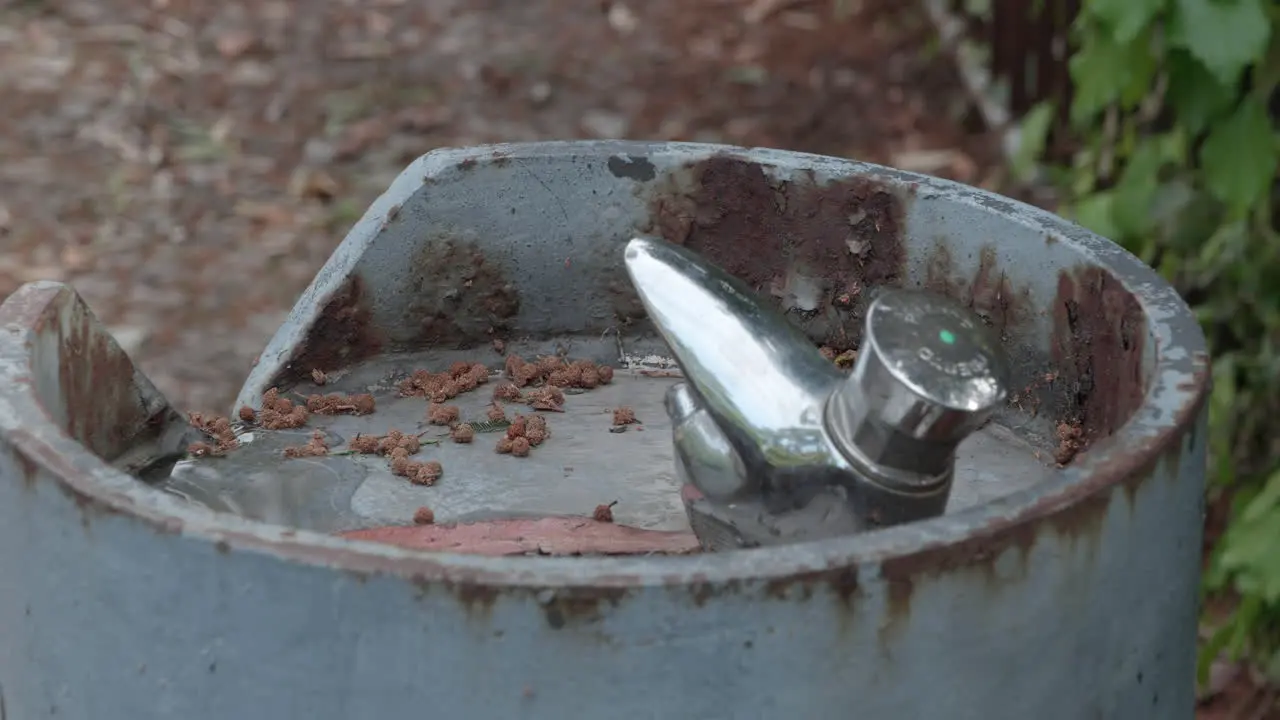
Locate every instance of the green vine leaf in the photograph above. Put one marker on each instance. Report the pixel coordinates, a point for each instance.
(1131, 210)
(1095, 213)
(1034, 133)
(1223, 250)
(1104, 71)
(1194, 93)
(1225, 35)
(1184, 216)
(1126, 18)
(1251, 551)
(1239, 157)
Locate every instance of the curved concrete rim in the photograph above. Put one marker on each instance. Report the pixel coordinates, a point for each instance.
(1177, 390)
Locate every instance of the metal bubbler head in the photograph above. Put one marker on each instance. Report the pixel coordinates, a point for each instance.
(781, 445)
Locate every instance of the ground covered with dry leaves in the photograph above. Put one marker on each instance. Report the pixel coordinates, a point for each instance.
(189, 165)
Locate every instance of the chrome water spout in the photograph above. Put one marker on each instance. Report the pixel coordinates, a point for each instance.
(780, 444)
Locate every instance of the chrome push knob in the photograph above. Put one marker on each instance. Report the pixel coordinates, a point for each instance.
(781, 445)
(928, 374)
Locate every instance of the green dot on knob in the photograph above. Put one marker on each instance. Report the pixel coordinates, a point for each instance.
(947, 336)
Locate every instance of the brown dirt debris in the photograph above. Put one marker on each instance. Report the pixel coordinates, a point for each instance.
(280, 413)
(442, 387)
(535, 430)
(462, 433)
(1071, 440)
(398, 446)
(418, 473)
(604, 513)
(339, 404)
(508, 392)
(496, 413)
(316, 446)
(547, 397)
(438, 414)
(365, 444)
(218, 428)
(392, 444)
(524, 433)
(557, 372)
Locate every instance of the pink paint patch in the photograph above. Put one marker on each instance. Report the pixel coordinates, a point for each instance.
(545, 536)
(689, 494)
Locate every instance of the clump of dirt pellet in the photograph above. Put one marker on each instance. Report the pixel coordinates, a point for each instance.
(508, 392)
(466, 383)
(424, 516)
(247, 415)
(218, 428)
(624, 416)
(523, 434)
(396, 440)
(558, 372)
(588, 378)
(318, 377)
(393, 444)
(441, 387)
(418, 473)
(512, 364)
(535, 430)
(520, 447)
(517, 427)
(547, 397)
(522, 373)
(438, 414)
(495, 413)
(280, 413)
(563, 377)
(1070, 442)
(339, 404)
(316, 446)
(462, 433)
(604, 513)
(424, 383)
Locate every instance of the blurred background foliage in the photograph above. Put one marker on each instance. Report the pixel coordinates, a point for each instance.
(1172, 128)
